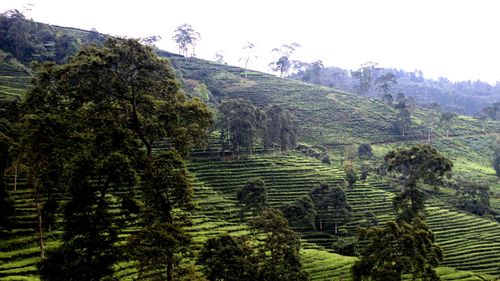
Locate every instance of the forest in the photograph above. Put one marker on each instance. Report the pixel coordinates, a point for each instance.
(121, 161)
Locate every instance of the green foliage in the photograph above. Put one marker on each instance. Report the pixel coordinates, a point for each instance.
(496, 158)
(94, 120)
(228, 258)
(415, 165)
(446, 121)
(474, 198)
(301, 213)
(153, 246)
(242, 122)
(252, 197)
(7, 209)
(397, 249)
(280, 129)
(331, 206)
(346, 246)
(403, 118)
(279, 253)
(30, 41)
(365, 150)
(351, 174)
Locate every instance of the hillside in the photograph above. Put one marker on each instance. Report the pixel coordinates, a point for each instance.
(328, 118)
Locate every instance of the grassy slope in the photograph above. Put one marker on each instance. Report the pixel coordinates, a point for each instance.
(327, 116)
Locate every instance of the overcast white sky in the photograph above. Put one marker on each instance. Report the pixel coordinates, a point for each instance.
(457, 39)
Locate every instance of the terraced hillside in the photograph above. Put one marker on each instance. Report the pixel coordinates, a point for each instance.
(469, 242)
(14, 78)
(325, 115)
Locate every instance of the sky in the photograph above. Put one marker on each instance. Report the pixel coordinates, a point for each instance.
(456, 39)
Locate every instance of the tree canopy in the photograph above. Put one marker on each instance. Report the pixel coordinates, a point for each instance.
(416, 165)
(105, 109)
(397, 249)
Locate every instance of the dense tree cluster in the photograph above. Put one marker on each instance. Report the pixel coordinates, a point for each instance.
(239, 258)
(91, 124)
(30, 41)
(331, 207)
(245, 125)
(398, 248)
(464, 97)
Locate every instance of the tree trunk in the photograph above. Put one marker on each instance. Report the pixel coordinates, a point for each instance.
(15, 179)
(320, 224)
(170, 268)
(447, 133)
(40, 229)
(238, 150)
(335, 228)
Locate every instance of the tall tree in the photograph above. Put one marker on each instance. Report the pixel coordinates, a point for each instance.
(496, 158)
(474, 197)
(229, 258)
(279, 128)
(385, 83)
(331, 206)
(185, 36)
(249, 49)
(243, 121)
(252, 197)
(446, 121)
(301, 213)
(364, 77)
(398, 248)
(280, 251)
(283, 63)
(431, 118)
(403, 118)
(416, 165)
(116, 100)
(7, 208)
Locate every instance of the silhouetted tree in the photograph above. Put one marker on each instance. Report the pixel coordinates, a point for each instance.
(252, 197)
(185, 36)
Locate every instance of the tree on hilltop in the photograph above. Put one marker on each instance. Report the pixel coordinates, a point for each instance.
(364, 76)
(185, 36)
(283, 64)
(249, 49)
(385, 83)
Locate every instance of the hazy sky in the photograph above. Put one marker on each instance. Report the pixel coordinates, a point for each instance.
(457, 39)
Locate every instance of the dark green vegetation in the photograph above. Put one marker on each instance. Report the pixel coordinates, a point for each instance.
(464, 97)
(130, 205)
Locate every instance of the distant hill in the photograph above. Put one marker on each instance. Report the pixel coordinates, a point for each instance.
(463, 97)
